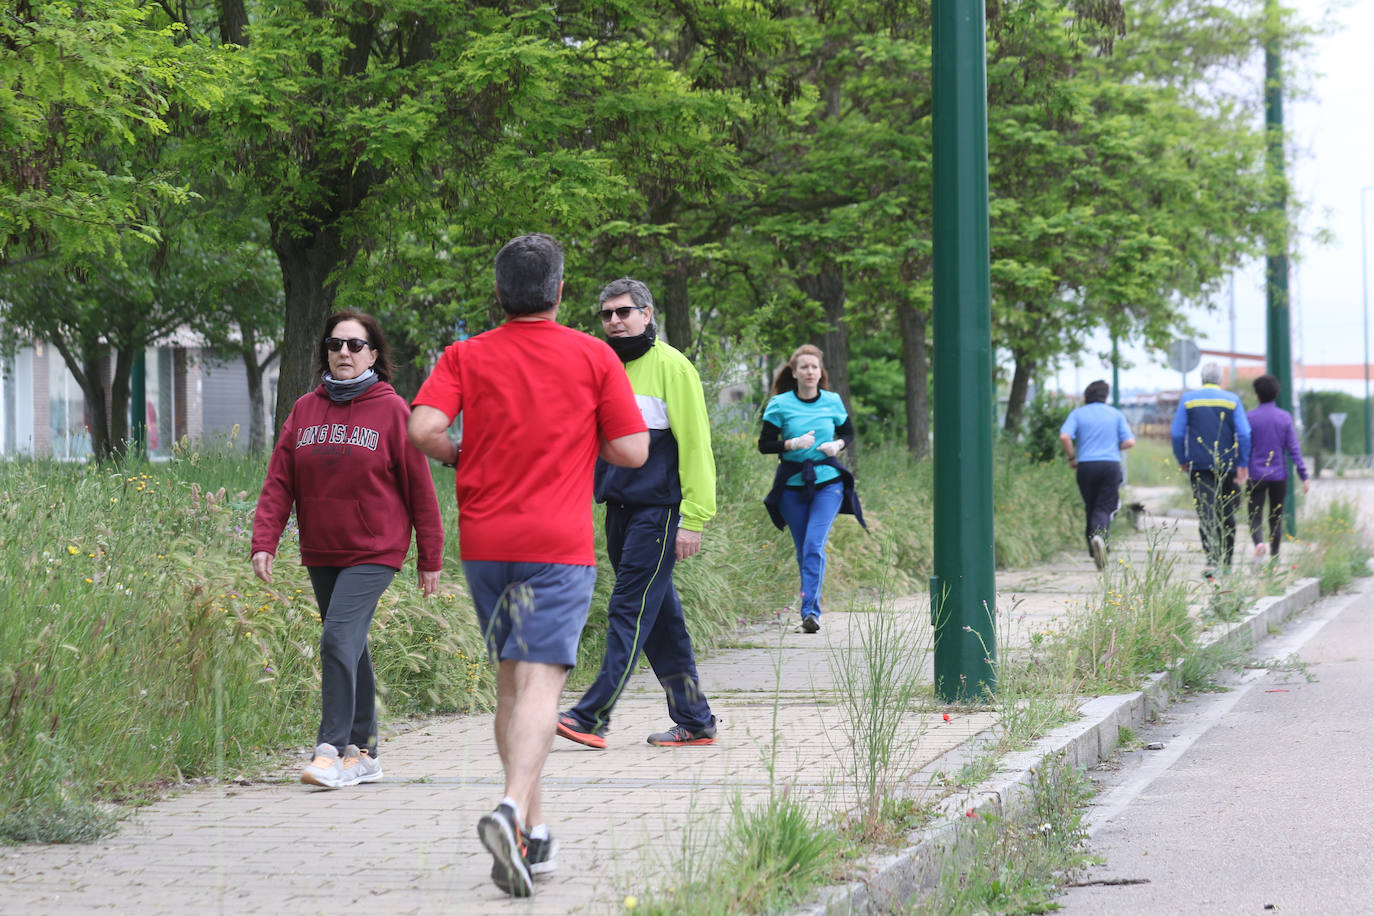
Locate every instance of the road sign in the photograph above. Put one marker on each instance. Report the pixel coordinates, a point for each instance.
(1184, 355)
(1337, 420)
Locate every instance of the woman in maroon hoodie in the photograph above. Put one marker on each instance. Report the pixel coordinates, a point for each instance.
(359, 487)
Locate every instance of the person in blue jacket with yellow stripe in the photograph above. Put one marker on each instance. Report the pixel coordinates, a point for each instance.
(1211, 438)
(654, 517)
(806, 425)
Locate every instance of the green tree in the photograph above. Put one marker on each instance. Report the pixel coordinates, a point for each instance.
(1119, 196)
(845, 208)
(394, 148)
(81, 88)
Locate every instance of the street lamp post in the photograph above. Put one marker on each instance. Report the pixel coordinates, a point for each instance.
(1278, 338)
(963, 600)
(1364, 298)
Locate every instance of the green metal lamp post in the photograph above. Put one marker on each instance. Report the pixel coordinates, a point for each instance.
(138, 399)
(1279, 354)
(962, 590)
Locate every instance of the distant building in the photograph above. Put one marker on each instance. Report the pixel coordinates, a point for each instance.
(1343, 377)
(192, 393)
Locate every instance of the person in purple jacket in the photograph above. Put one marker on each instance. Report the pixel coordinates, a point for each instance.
(1272, 442)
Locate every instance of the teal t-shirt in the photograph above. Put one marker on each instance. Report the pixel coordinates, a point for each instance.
(795, 417)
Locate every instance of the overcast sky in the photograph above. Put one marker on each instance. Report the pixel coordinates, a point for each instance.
(1332, 144)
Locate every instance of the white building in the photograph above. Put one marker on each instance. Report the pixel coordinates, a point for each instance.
(191, 393)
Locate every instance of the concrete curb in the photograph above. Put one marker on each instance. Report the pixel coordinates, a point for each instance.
(896, 878)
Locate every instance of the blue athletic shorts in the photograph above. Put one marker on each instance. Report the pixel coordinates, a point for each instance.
(531, 612)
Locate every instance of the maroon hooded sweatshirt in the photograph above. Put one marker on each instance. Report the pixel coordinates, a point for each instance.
(358, 484)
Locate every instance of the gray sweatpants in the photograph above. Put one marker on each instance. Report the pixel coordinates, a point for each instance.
(347, 596)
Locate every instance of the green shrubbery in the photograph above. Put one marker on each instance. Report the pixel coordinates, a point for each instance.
(1337, 549)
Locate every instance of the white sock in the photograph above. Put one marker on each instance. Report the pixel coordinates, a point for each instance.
(514, 807)
(539, 833)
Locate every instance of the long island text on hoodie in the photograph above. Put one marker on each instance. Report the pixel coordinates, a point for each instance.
(358, 485)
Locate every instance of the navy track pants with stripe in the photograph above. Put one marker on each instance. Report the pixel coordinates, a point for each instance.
(645, 614)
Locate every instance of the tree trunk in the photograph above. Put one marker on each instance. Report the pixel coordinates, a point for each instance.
(406, 358)
(1016, 398)
(257, 413)
(119, 403)
(677, 310)
(92, 381)
(826, 286)
(232, 17)
(916, 366)
(306, 265)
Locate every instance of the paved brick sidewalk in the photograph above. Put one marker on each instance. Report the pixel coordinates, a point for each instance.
(623, 816)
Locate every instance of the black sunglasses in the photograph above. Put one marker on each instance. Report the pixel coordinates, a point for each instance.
(354, 344)
(622, 313)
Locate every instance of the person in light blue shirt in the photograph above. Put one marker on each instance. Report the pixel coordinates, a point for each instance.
(1093, 437)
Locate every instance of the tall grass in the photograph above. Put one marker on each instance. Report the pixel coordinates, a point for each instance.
(1038, 513)
(1337, 546)
(768, 857)
(883, 687)
(134, 639)
(1138, 624)
(1017, 865)
(1036, 690)
(1151, 463)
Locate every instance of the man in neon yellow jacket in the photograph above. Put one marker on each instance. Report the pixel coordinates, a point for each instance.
(654, 517)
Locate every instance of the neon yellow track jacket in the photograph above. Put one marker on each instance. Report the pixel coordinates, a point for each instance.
(681, 471)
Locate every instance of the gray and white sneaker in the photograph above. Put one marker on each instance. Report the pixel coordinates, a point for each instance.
(540, 854)
(358, 766)
(500, 833)
(326, 769)
(1099, 550)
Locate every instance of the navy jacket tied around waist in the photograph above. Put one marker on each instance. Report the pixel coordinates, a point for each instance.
(849, 503)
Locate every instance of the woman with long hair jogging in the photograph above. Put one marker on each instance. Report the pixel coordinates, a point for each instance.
(806, 425)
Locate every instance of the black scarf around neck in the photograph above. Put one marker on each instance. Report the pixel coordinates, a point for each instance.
(348, 389)
(630, 349)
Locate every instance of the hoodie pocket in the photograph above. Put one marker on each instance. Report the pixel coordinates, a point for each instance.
(332, 524)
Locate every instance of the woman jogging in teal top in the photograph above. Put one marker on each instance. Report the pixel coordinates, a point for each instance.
(806, 425)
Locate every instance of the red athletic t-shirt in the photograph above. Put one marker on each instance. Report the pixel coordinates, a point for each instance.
(536, 399)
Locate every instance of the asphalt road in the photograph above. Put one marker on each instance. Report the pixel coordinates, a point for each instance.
(1260, 798)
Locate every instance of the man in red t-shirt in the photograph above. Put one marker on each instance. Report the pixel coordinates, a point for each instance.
(540, 402)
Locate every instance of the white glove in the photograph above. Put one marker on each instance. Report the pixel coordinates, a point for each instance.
(804, 441)
(832, 448)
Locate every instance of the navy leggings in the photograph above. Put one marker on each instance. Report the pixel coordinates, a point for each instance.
(645, 613)
(1216, 497)
(1099, 483)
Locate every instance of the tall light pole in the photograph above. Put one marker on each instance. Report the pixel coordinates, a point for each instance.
(1364, 298)
(963, 601)
(1279, 356)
